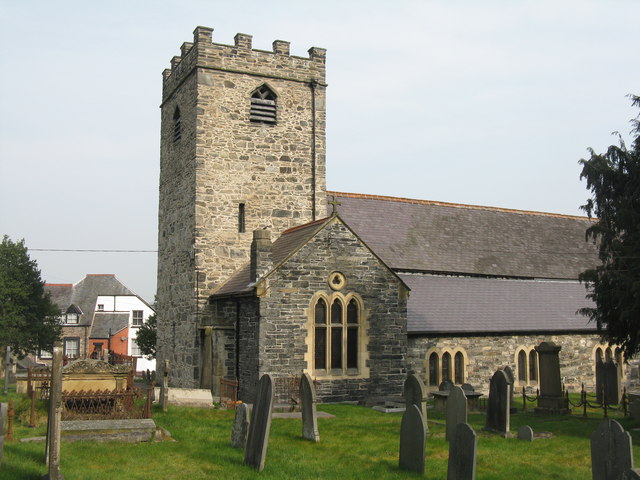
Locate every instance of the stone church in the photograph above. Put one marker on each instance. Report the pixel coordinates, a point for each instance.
(262, 270)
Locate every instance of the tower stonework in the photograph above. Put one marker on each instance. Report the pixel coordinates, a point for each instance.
(242, 148)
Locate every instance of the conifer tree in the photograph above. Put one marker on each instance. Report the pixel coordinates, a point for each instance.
(614, 285)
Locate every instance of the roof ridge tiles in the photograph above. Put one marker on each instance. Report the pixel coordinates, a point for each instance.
(453, 205)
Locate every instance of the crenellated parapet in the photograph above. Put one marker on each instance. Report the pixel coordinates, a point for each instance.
(242, 58)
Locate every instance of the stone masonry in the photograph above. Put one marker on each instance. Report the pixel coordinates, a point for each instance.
(222, 160)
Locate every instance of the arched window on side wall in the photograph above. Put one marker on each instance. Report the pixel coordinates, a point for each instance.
(434, 369)
(458, 361)
(533, 366)
(446, 366)
(522, 366)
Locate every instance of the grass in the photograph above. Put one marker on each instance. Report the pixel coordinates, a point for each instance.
(359, 443)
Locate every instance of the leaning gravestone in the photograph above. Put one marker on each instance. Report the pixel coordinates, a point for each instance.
(611, 451)
(456, 411)
(462, 454)
(258, 439)
(240, 426)
(498, 409)
(412, 440)
(416, 394)
(512, 379)
(309, 416)
(4, 408)
(525, 433)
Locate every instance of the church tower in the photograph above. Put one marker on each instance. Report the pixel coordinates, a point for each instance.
(242, 148)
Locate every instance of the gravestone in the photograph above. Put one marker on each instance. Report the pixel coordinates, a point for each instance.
(551, 400)
(498, 408)
(412, 440)
(445, 386)
(512, 379)
(612, 391)
(4, 408)
(308, 402)
(164, 391)
(416, 394)
(631, 474)
(462, 454)
(611, 451)
(635, 409)
(600, 374)
(258, 439)
(55, 416)
(456, 411)
(240, 426)
(525, 433)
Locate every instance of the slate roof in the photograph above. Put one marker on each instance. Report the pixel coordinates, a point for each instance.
(285, 245)
(108, 321)
(441, 304)
(84, 293)
(450, 238)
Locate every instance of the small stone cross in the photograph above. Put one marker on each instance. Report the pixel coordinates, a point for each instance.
(334, 203)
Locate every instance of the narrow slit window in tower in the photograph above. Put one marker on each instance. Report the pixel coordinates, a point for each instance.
(177, 125)
(241, 219)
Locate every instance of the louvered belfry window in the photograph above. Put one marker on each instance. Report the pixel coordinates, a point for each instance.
(263, 106)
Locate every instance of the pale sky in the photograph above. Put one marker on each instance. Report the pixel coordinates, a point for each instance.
(484, 103)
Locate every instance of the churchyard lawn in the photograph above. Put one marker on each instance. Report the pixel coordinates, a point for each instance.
(359, 443)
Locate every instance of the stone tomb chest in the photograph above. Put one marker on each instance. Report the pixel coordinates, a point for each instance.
(85, 375)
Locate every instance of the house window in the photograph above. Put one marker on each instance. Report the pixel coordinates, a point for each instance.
(263, 106)
(71, 347)
(446, 365)
(45, 354)
(137, 318)
(527, 366)
(71, 318)
(177, 125)
(241, 225)
(135, 349)
(337, 335)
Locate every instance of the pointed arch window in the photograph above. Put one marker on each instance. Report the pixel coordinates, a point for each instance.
(337, 331)
(446, 366)
(177, 125)
(434, 369)
(263, 105)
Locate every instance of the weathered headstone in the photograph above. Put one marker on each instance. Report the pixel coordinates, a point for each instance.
(258, 439)
(415, 393)
(412, 440)
(600, 379)
(4, 409)
(512, 379)
(611, 451)
(462, 454)
(240, 426)
(445, 386)
(308, 402)
(525, 433)
(612, 390)
(634, 409)
(631, 474)
(498, 408)
(164, 391)
(456, 411)
(551, 399)
(55, 416)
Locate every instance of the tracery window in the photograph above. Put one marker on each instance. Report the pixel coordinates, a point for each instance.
(446, 365)
(337, 330)
(527, 366)
(263, 105)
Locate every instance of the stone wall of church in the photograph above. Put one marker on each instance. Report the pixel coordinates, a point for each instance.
(485, 354)
(285, 328)
(222, 160)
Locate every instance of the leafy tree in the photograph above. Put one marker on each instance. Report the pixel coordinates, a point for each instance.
(146, 338)
(28, 318)
(614, 285)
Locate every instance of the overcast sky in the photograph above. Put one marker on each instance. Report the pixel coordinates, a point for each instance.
(485, 103)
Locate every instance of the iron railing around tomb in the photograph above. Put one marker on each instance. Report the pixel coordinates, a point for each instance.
(586, 400)
(102, 404)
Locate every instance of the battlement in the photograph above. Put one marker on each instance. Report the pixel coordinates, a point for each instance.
(241, 57)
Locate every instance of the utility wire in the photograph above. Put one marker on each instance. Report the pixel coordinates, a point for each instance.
(90, 250)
